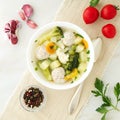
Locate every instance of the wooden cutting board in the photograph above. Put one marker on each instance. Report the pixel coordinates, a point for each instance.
(57, 101)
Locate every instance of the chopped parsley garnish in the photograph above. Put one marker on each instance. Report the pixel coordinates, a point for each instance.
(88, 52)
(36, 68)
(76, 34)
(36, 41)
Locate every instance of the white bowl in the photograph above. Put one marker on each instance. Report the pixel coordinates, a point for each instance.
(39, 76)
(35, 109)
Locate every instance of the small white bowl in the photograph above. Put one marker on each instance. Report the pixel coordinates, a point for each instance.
(35, 109)
(39, 76)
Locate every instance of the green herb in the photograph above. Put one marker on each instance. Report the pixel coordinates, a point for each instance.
(88, 52)
(107, 104)
(117, 92)
(78, 35)
(36, 68)
(94, 2)
(36, 41)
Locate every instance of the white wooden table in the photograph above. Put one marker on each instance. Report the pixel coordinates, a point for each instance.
(11, 71)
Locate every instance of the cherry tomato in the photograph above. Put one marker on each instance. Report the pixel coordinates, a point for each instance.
(109, 31)
(90, 15)
(108, 11)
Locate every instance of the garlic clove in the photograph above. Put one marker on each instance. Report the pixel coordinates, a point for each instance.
(7, 28)
(28, 10)
(10, 29)
(22, 15)
(13, 26)
(31, 24)
(26, 13)
(13, 39)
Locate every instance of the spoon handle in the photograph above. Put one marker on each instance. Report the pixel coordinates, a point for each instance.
(75, 99)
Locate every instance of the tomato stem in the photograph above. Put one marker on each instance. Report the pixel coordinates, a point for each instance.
(93, 3)
(117, 7)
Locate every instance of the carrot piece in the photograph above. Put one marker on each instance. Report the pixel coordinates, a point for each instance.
(50, 48)
(85, 43)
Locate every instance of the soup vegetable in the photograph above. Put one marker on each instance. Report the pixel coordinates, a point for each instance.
(62, 55)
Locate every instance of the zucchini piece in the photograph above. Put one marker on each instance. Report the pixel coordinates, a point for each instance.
(78, 40)
(79, 48)
(45, 64)
(55, 64)
(83, 56)
(53, 56)
(53, 39)
(47, 74)
(60, 44)
(82, 67)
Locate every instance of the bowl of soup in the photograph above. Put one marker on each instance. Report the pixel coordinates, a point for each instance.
(60, 55)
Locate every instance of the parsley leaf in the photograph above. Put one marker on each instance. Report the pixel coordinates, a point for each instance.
(106, 100)
(88, 52)
(102, 110)
(105, 89)
(107, 104)
(117, 91)
(99, 85)
(96, 93)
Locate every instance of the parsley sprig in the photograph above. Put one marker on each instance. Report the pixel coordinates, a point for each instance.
(107, 104)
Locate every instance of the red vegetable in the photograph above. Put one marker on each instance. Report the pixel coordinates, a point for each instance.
(31, 24)
(10, 29)
(108, 11)
(22, 15)
(13, 39)
(26, 13)
(109, 31)
(90, 15)
(28, 10)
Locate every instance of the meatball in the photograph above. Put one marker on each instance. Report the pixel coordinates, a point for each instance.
(63, 58)
(41, 53)
(58, 75)
(68, 39)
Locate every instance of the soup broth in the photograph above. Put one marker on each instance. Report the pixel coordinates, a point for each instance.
(61, 55)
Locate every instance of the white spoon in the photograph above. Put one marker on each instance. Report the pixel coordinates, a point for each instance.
(97, 44)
